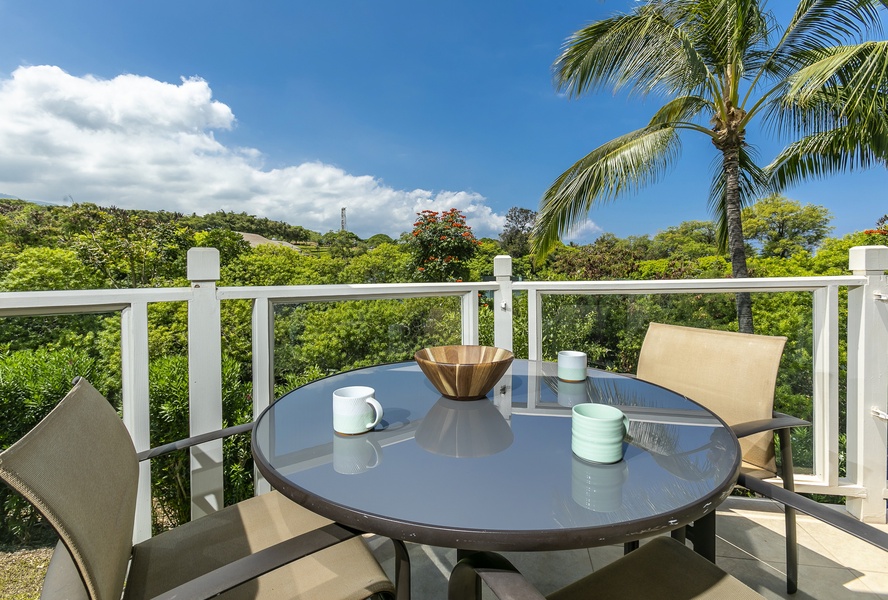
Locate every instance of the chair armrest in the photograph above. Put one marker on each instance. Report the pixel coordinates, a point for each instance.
(839, 520)
(193, 441)
(778, 421)
(501, 576)
(259, 563)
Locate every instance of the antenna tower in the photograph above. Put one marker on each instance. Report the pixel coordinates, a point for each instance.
(342, 224)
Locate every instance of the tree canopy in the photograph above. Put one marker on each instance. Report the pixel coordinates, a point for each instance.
(820, 81)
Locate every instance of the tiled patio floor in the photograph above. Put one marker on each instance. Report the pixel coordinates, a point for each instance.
(833, 565)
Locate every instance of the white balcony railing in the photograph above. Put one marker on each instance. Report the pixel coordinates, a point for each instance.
(865, 485)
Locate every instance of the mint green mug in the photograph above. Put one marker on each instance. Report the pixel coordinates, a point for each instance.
(597, 432)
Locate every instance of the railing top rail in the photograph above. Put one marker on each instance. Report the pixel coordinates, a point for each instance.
(681, 286)
(107, 300)
(370, 291)
(17, 304)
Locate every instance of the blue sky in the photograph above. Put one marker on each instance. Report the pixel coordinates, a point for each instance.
(293, 109)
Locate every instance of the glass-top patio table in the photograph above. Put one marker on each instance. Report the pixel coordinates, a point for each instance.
(498, 474)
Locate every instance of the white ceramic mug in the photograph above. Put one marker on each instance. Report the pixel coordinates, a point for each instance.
(355, 454)
(355, 410)
(572, 365)
(597, 432)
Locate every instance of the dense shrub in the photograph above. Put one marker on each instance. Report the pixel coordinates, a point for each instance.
(31, 383)
(170, 481)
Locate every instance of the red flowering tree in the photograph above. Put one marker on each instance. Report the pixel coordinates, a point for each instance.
(442, 244)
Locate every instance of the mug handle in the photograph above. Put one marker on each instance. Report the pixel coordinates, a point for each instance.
(376, 452)
(377, 408)
(625, 427)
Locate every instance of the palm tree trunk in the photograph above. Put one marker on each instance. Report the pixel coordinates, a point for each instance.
(731, 164)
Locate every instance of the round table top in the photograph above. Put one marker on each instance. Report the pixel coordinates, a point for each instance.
(497, 474)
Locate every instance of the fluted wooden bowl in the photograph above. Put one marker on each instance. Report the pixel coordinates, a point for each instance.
(464, 372)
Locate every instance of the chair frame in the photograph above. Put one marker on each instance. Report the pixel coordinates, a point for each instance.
(781, 424)
(255, 565)
(281, 554)
(507, 583)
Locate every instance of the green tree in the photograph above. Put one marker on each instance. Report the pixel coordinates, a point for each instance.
(130, 248)
(386, 263)
(783, 227)
(608, 257)
(343, 244)
(272, 264)
(230, 244)
(40, 268)
(379, 239)
(722, 64)
(25, 224)
(690, 239)
(515, 237)
(442, 245)
(352, 334)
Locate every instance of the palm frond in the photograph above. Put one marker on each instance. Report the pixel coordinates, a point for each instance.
(616, 168)
(859, 73)
(754, 183)
(848, 86)
(732, 33)
(642, 51)
(793, 120)
(819, 24)
(681, 110)
(851, 147)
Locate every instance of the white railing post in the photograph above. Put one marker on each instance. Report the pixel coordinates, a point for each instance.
(502, 302)
(469, 312)
(135, 400)
(867, 454)
(534, 324)
(826, 385)
(263, 371)
(205, 380)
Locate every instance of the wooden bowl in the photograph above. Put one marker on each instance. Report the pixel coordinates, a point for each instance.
(464, 372)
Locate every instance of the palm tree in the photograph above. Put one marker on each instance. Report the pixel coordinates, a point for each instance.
(821, 82)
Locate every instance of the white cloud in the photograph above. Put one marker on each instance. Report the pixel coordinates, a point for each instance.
(583, 233)
(135, 142)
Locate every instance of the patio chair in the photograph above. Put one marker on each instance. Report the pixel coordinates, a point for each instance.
(662, 568)
(733, 375)
(79, 468)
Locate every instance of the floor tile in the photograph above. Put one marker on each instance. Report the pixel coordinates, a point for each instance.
(815, 583)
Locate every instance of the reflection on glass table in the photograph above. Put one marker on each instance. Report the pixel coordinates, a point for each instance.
(464, 429)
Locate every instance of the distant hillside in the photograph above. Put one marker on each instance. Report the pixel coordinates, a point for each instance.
(262, 226)
(254, 239)
(268, 230)
(37, 202)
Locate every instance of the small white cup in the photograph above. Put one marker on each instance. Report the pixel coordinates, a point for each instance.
(572, 365)
(353, 455)
(355, 410)
(597, 432)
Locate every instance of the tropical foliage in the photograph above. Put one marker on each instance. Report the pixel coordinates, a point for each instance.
(722, 64)
(442, 244)
(39, 356)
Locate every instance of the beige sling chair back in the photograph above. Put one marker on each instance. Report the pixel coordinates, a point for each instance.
(734, 375)
(79, 468)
